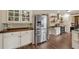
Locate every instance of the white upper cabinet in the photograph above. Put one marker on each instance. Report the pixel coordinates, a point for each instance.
(15, 16)
(26, 16)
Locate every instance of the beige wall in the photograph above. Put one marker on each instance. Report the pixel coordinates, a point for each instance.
(68, 19)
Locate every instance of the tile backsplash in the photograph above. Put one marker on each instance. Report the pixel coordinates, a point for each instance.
(14, 25)
(18, 25)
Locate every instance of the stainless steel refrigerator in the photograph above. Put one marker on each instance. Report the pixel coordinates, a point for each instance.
(41, 28)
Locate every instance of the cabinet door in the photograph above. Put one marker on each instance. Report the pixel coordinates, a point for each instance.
(75, 44)
(0, 41)
(32, 36)
(25, 16)
(25, 38)
(11, 40)
(75, 36)
(57, 30)
(13, 16)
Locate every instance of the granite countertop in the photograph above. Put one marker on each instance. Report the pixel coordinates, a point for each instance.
(15, 30)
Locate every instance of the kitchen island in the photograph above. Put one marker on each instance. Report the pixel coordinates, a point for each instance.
(16, 37)
(54, 30)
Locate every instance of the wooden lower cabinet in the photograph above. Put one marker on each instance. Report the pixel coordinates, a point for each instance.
(11, 40)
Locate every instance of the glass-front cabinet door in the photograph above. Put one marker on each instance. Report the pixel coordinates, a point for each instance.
(25, 16)
(19, 16)
(13, 16)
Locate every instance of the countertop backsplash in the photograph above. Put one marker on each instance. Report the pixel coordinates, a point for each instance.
(16, 25)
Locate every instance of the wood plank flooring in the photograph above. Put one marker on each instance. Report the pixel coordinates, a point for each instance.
(54, 42)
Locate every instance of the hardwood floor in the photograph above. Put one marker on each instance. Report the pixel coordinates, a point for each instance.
(54, 42)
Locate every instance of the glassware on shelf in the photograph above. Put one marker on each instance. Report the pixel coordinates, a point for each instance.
(27, 14)
(13, 15)
(16, 18)
(16, 14)
(10, 19)
(23, 15)
(24, 11)
(28, 19)
(25, 19)
(10, 14)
